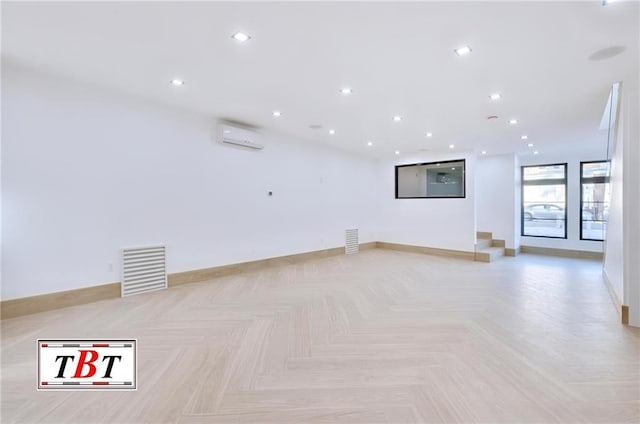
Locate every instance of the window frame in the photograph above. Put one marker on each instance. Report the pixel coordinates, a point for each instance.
(554, 181)
(591, 180)
(442, 162)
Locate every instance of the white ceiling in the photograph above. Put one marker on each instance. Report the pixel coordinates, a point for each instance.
(397, 57)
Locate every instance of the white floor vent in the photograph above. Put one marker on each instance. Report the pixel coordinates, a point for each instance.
(351, 245)
(143, 270)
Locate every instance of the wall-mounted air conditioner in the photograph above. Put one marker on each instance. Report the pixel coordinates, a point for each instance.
(237, 136)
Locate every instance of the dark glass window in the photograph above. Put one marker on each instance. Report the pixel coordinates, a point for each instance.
(431, 180)
(595, 192)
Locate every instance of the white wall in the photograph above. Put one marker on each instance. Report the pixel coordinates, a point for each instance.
(496, 206)
(631, 195)
(572, 241)
(517, 177)
(614, 243)
(622, 253)
(439, 223)
(87, 172)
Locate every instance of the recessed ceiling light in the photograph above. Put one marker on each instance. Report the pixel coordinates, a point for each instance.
(535, 152)
(495, 96)
(177, 82)
(530, 145)
(241, 37)
(484, 152)
(277, 113)
(513, 121)
(397, 152)
(369, 143)
(524, 137)
(332, 132)
(397, 118)
(451, 146)
(227, 131)
(429, 134)
(453, 169)
(346, 90)
(462, 51)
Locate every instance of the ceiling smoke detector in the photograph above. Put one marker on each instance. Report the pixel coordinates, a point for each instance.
(607, 53)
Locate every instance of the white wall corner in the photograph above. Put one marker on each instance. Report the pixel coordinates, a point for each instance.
(631, 195)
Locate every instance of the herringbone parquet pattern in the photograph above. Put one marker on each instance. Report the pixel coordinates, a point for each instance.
(380, 336)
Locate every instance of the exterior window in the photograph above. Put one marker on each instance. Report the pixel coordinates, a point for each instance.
(544, 201)
(595, 192)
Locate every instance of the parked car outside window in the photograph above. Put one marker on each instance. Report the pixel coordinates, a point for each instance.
(550, 211)
(543, 211)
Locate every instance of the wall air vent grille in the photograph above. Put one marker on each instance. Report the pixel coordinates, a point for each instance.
(351, 245)
(143, 270)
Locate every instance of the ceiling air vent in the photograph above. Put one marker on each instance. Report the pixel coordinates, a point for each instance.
(351, 245)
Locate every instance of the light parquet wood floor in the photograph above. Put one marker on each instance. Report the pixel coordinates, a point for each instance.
(381, 336)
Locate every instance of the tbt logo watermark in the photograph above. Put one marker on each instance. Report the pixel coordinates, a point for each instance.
(87, 364)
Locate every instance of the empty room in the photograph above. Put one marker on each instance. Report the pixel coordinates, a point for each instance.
(320, 212)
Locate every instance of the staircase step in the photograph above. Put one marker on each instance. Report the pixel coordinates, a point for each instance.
(483, 244)
(484, 235)
(498, 243)
(489, 254)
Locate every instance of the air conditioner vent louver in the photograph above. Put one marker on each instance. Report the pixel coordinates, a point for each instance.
(351, 245)
(242, 143)
(143, 270)
(240, 137)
